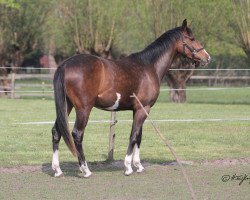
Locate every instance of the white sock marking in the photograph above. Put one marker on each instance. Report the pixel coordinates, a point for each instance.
(127, 163)
(136, 153)
(55, 164)
(116, 105)
(85, 169)
(137, 160)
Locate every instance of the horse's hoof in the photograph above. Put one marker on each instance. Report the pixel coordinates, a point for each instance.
(87, 175)
(140, 170)
(59, 175)
(139, 167)
(128, 172)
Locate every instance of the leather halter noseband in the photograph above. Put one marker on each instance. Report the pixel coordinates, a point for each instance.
(192, 50)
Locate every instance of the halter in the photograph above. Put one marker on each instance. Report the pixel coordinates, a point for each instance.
(192, 50)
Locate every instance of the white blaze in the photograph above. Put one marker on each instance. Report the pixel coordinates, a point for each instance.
(207, 54)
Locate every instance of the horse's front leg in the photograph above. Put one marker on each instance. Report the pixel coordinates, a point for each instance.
(136, 159)
(135, 141)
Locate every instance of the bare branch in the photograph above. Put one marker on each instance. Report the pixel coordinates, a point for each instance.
(111, 35)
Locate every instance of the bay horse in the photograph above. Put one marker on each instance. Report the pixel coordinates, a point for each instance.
(85, 81)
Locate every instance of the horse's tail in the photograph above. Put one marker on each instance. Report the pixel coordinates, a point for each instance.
(61, 124)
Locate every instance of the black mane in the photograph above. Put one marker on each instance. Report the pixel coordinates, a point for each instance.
(155, 50)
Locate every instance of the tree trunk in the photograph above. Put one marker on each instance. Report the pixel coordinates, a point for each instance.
(241, 13)
(51, 59)
(177, 92)
(176, 79)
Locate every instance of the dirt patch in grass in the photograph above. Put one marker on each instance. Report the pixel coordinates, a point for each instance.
(228, 161)
(159, 181)
(20, 169)
(119, 165)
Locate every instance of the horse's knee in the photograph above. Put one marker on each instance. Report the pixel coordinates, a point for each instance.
(134, 137)
(77, 135)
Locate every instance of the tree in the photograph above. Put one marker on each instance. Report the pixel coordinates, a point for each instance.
(10, 3)
(242, 24)
(177, 78)
(22, 27)
(90, 25)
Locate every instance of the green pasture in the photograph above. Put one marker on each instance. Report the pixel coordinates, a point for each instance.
(200, 141)
(25, 151)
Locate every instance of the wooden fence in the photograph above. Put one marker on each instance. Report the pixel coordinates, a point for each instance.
(16, 90)
(43, 89)
(220, 80)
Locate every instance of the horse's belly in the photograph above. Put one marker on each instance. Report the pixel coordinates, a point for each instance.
(110, 100)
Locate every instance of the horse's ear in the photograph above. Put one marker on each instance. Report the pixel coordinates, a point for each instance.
(184, 25)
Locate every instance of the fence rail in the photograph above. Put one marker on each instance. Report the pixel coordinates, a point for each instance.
(183, 69)
(12, 86)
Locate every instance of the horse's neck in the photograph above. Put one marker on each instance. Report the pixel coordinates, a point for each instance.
(164, 62)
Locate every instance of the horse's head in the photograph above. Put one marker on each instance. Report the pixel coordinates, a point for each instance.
(190, 47)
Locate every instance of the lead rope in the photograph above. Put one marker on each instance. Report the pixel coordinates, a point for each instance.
(168, 144)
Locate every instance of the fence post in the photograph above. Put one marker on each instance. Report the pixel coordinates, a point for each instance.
(43, 89)
(112, 136)
(13, 85)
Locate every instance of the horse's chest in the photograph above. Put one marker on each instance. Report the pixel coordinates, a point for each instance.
(149, 90)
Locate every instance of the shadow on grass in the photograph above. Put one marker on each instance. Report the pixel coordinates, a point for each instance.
(72, 168)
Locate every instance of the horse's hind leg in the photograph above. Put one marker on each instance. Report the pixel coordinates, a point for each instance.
(56, 136)
(82, 116)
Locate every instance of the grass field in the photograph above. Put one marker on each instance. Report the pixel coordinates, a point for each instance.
(196, 141)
